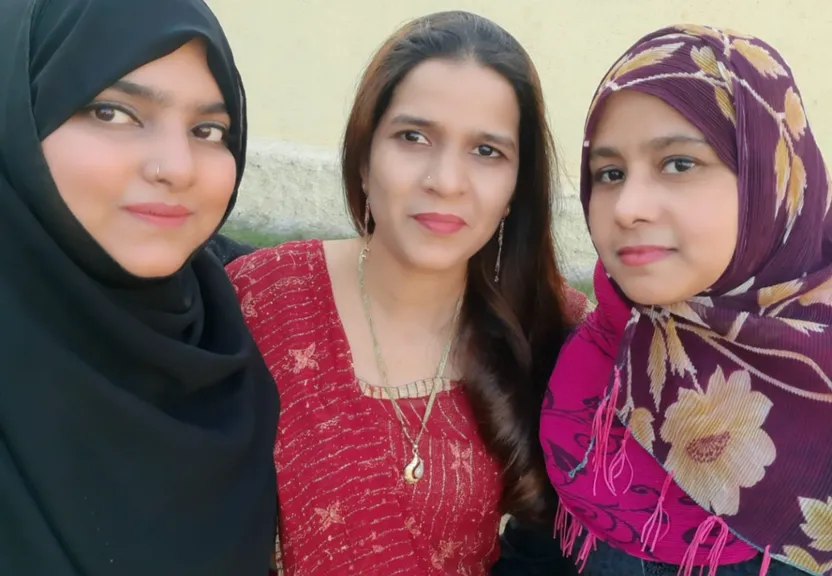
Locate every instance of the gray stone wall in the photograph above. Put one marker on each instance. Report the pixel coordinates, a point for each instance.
(296, 190)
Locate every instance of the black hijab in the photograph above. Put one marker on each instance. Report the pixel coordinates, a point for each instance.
(137, 418)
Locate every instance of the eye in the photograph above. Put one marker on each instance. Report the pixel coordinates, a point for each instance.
(678, 165)
(111, 114)
(413, 136)
(609, 175)
(487, 151)
(210, 132)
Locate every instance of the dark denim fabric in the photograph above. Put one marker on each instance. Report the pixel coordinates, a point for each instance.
(528, 551)
(608, 561)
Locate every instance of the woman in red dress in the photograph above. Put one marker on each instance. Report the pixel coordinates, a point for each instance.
(411, 361)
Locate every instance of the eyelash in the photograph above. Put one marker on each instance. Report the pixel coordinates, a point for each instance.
(95, 107)
(598, 178)
(495, 153)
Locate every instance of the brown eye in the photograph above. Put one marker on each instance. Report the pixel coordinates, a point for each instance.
(210, 132)
(413, 136)
(609, 175)
(105, 114)
(487, 151)
(111, 115)
(679, 165)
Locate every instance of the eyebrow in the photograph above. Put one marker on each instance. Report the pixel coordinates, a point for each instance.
(499, 139)
(655, 143)
(145, 93)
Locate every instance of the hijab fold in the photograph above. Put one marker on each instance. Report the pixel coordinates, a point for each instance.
(137, 418)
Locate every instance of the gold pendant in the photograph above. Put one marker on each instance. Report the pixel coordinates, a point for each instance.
(414, 471)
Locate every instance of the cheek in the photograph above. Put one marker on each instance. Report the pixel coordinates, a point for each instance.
(494, 188)
(216, 176)
(600, 216)
(722, 234)
(394, 175)
(91, 176)
(712, 225)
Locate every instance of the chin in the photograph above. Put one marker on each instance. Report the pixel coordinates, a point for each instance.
(436, 260)
(145, 267)
(435, 265)
(645, 293)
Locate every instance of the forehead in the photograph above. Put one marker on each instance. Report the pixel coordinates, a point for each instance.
(630, 115)
(183, 76)
(460, 94)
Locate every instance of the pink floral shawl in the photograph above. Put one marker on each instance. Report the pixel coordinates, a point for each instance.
(730, 392)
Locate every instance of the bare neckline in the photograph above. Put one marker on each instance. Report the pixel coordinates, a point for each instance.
(415, 389)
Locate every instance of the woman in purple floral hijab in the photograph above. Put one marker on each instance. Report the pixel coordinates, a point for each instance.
(687, 422)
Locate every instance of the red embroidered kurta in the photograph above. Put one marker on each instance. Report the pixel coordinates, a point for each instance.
(344, 505)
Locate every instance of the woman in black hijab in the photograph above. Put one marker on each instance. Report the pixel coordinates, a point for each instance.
(137, 418)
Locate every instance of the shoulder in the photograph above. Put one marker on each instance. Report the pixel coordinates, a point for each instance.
(577, 305)
(226, 249)
(266, 267)
(586, 358)
(279, 289)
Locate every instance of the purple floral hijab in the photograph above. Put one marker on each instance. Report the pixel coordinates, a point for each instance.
(731, 391)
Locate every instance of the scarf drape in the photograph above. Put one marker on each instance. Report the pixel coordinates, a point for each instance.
(137, 418)
(731, 391)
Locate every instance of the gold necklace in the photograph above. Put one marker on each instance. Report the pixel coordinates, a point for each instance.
(415, 469)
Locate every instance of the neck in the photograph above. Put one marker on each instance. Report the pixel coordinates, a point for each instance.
(408, 295)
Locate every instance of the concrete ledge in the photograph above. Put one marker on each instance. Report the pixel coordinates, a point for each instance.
(294, 189)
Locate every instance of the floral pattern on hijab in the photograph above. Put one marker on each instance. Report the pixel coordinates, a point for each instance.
(731, 390)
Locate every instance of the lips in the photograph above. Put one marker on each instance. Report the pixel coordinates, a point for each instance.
(643, 255)
(159, 209)
(160, 214)
(438, 223)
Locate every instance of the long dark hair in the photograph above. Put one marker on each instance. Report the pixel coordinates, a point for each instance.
(513, 328)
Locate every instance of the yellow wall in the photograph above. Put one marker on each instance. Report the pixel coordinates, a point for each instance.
(301, 59)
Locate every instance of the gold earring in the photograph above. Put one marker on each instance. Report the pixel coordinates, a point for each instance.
(499, 250)
(367, 216)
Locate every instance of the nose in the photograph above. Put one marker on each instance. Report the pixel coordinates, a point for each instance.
(448, 173)
(638, 199)
(172, 150)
